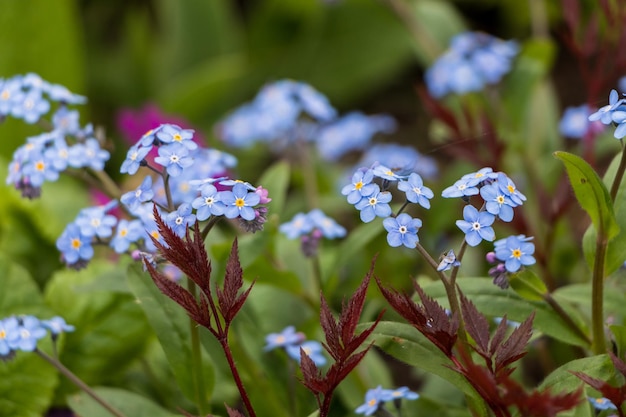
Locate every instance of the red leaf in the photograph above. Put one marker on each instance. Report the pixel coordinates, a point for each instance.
(351, 312)
(230, 302)
(539, 403)
(331, 331)
(233, 412)
(312, 377)
(619, 364)
(513, 348)
(477, 326)
(617, 395)
(180, 295)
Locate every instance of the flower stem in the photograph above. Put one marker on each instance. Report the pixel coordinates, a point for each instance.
(108, 185)
(619, 174)
(597, 295)
(79, 383)
(196, 357)
(233, 369)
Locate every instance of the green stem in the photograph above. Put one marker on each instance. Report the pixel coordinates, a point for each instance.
(317, 276)
(196, 357)
(79, 383)
(619, 174)
(108, 185)
(309, 175)
(539, 19)
(459, 257)
(597, 295)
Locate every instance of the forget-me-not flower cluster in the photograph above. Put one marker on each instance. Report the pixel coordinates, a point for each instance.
(474, 59)
(613, 113)
(292, 341)
(23, 332)
(376, 398)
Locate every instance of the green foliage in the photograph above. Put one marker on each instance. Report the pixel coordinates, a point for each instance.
(111, 331)
(27, 383)
(171, 324)
(126, 402)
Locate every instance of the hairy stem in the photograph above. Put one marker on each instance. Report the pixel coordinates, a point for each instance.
(196, 357)
(79, 383)
(233, 369)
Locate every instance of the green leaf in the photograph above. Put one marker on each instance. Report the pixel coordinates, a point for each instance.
(127, 403)
(528, 285)
(111, 330)
(619, 336)
(171, 325)
(591, 193)
(404, 342)
(562, 380)
(276, 181)
(27, 383)
(616, 250)
(496, 302)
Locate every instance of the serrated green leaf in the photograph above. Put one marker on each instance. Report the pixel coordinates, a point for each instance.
(171, 325)
(591, 193)
(528, 285)
(27, 383)
(111, 331)
(496, 302)
(127, 403)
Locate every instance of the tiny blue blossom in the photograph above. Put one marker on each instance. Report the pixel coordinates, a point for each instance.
(460, 188)
(175, 158)
(476, 225)
(404, 159)
(416, 191)
(209, 203)
(374, 398)
(127, 232)
(30, 106)
(496, 202)
(602, 403)
(376, 204)
(605, 114)
(386, 173)
(142, 194)
(475, 178)
(133, 160)
(180, 219)
(575, 122)
(515, 252)
(402, 230)
(311, 348)
(9, 334)
(169, 133)
(57, 325)
(329, 228)
(398, 393)
(360, 187)
(287, 337)
(507, 186)
(240, 202)
(300, 225)
(73, 245)
(30, 331)
(93, 221)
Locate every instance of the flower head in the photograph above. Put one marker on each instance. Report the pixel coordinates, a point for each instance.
(374, 398)
(74, 246)
(240, 202)
(416, 191)
(602, 403)
(311, 348)
(288, 336)
(476, 225)
(209, 203)
(180, 219)
(402, 230)
(376, 204)
(360, 187)
(448, 260)
(515, 252)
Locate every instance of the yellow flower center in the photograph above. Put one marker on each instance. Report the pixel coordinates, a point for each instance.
(5, 95)
(123, 232)
(500, 199)
(3, 334)
(155, 234)
(177, 137)
(76, 243)
(40, 166)
(372, 402)
(516, 253)
(358, 185)
(240, 202)
(510, 188)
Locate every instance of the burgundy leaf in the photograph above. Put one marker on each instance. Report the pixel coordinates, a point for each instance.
(617, 395)
(180, 295)
(539, 403)
(351, 363)
(188, 255)
(230, 302)
(351, 312)
(233, 412)
(483, 382)
(513, 348)
(331, 331)
(430, 319)
(312, 377)
(477, 326)
(619, 364)
(360, 338)
(498, 336)
(571, 14)
(438, 111)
